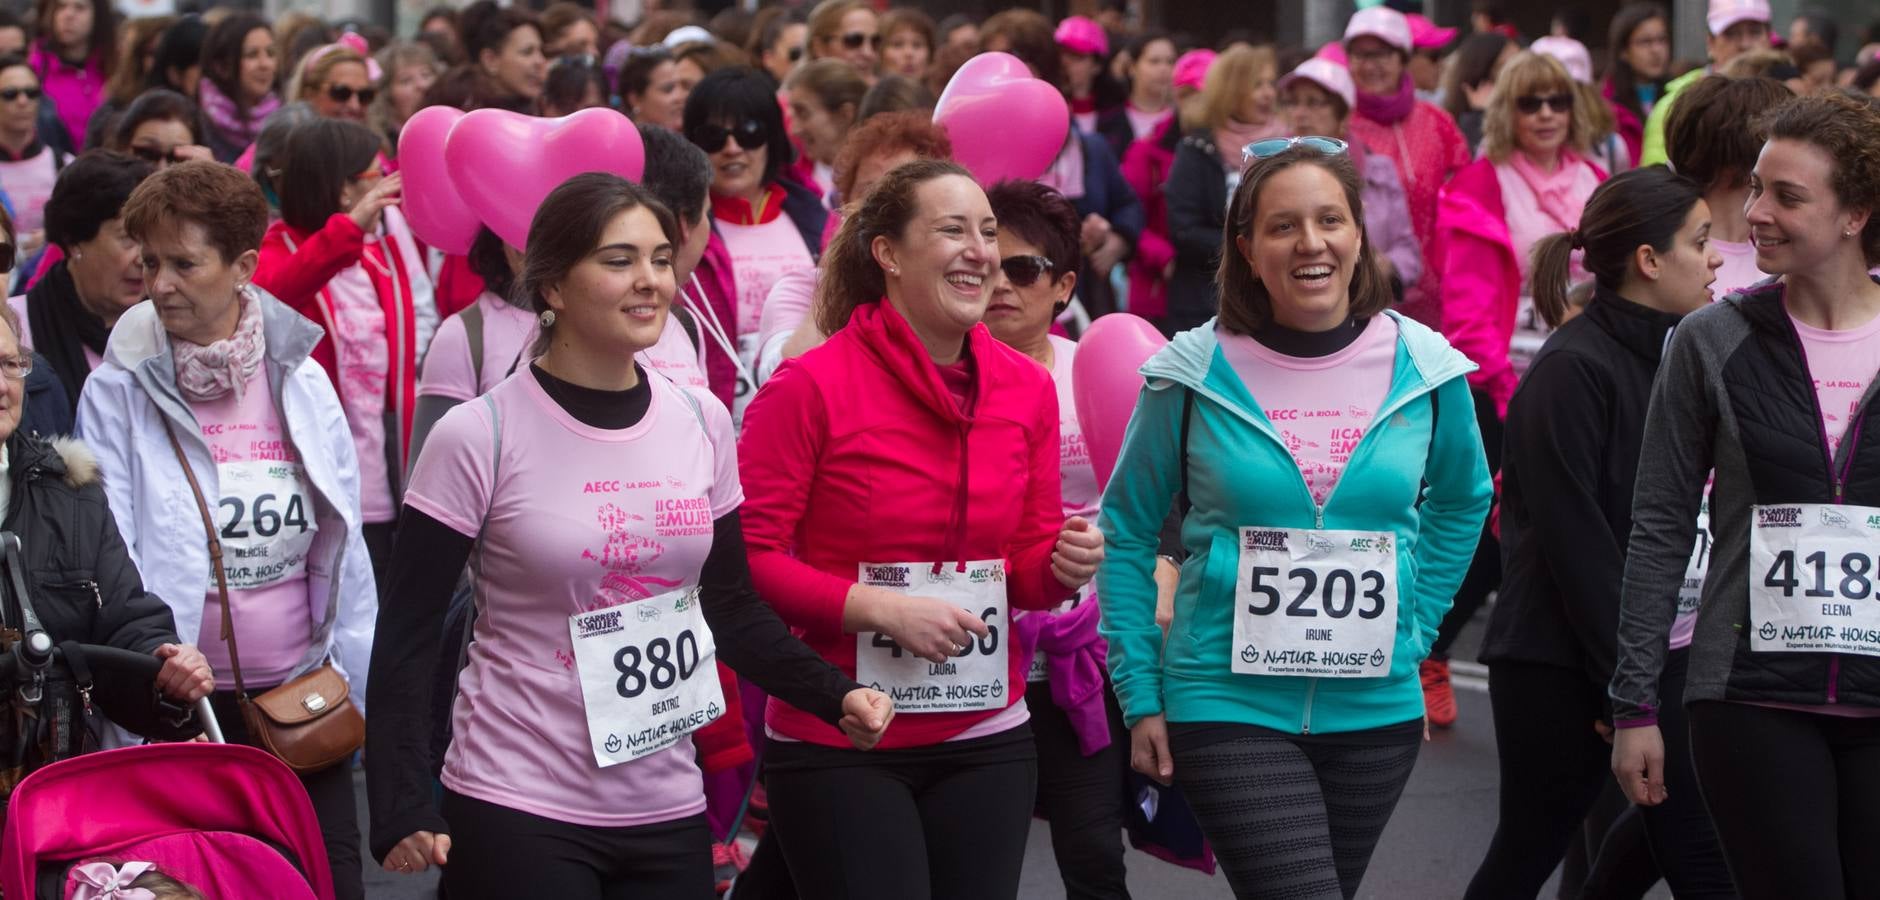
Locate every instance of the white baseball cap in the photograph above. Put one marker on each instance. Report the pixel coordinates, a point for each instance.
(1328, 75)
(1571, 53)
(1383, 23)
(1725, 13)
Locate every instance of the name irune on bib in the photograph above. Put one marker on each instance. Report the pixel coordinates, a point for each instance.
(1315, 603)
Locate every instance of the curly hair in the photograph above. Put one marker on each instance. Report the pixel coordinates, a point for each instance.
(851, 276)
(1847, 127)
(914, 132)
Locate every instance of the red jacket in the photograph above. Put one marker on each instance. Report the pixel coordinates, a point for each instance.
(298, 278)
(1145, 166)
(856, 452)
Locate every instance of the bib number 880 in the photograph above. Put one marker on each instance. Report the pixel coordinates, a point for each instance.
(1338, 594)
(1857, 581)
(664, 670)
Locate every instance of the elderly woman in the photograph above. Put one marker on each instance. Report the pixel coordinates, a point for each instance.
(211, 389)
(69, 312)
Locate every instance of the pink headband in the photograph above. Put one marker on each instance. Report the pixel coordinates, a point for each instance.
(103, 881)
(349, 41)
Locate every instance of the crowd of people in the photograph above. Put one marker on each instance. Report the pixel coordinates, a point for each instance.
(1448, 315)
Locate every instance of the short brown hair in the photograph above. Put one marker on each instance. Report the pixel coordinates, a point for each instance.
(321, 156)
(1530, 73)
(1029, 36)
(834, 83)
(851, 276)
(226, 203)
(907, 18)
(825, 21)
(1711, 135)
(1847, 127)
(912, 131)
(1245, 303)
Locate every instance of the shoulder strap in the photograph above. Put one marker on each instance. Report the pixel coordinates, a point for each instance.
(1188, 410)
(472, 317)
(215, 559)
(689, 324)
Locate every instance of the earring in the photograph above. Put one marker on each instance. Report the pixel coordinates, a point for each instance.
(895, 271)
(1847, 234)
(547, 318)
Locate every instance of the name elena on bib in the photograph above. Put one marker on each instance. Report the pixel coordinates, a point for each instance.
(974, 677)
(1812, 579)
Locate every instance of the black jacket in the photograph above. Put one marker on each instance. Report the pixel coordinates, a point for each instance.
(48, 411)
(1197, 214)
(1569, 461)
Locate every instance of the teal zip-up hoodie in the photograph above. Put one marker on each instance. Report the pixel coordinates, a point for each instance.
(1423, 444)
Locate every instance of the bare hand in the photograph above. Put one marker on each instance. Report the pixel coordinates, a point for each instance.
(1095, 229)
(184, 152)
(1603, 730)
(1638, 761)
(865, 717)
(1148, 749)
(417, 852)
(185, 675)
(365, 212)
(933, 630)
(1168, 577)
(1079, 550)
(1108, 254)
(1478, 94)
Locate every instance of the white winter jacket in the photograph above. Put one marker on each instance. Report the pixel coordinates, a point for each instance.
(122, 414)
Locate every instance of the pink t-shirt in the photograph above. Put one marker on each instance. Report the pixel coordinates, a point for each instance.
(1841, 363)
(676, 357)
(1144, 124)
(266, 517)
(94, 360)
(448, 371)
(1081, 496)
(615, 519)
(1738, 270)
(761, 254)
(1528, 223)
(28, 184)
(1321, 406)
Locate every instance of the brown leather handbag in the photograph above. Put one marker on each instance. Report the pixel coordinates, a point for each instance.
(309, 723)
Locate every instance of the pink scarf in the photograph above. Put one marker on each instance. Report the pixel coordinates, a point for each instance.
(1389, 110)
(1234, 135)
(212, 372)
(1553, 190)
(228, 119)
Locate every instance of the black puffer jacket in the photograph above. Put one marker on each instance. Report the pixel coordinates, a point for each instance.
(1197, 215)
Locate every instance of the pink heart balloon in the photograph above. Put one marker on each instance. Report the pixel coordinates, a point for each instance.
(1004, 123)
(437, 214)
(504, 164)
(1104, 383)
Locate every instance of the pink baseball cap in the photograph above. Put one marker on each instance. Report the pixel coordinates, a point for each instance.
(1333, 51)
(1571, 53)
(1328, 75)
(1082, 35)
(1427, 35)
(1383, 23)
(1191, 71)
(1725, 13)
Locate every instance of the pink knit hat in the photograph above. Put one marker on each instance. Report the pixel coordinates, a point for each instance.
(1191, 71)
(1082, 35)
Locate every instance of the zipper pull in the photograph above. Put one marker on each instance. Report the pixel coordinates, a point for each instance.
(1318, 516)
(84, 695)
(96, 597)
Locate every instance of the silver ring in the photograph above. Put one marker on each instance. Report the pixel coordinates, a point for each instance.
(959, 648)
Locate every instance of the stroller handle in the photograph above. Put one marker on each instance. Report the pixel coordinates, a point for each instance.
(127, 662)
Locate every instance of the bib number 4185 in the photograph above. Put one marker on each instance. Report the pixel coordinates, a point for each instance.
(1855, 571)
(1339, 594)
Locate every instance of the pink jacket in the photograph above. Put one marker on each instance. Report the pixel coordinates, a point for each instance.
(857, 452)
(76, 91)
(1481, 279)
(1427, 148)
(1145, 166)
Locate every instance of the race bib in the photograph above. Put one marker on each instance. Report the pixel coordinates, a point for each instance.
(973, 678)
(266, 522)
(1691, 595)
(1317, 603)
(1040, 669)
(649, 674)
(1812, 579)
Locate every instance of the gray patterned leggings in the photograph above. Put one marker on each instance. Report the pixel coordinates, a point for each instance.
(1296, 818)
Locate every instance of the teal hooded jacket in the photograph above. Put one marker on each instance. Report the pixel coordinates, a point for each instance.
(1418, 473)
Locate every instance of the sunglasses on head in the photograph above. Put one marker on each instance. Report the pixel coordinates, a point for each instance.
(1276, 146)
(156, 156)
(14, 93)
(855, 39)
(711, 138)
(340, 93)
(1024, 271)
(1532, 103)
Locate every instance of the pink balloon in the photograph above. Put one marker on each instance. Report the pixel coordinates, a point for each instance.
(505, 164)
(430, 201)
(1104, 383)
(1004, 123)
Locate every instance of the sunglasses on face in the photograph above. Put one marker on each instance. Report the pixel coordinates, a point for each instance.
(340, 93)
(1024, 271)
(796, 53)
(14, 93)
(711, 138)
(1276, 146)
(1532, 103)
(7, 258)
(156, 156)
(855, 39)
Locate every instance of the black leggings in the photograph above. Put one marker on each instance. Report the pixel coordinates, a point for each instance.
(942, 822)
(1795, 797)
(1296, 818)
(498, 852)
(1082, 797)
(1684, 843)
(1484, 574)
(330, 790)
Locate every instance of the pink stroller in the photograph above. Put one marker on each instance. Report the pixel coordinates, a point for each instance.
(230, 820)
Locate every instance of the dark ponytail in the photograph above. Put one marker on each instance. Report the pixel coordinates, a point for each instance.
(1642, 207)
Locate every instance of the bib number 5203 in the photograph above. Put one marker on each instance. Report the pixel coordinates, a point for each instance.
(667, 663)
(1339, 594)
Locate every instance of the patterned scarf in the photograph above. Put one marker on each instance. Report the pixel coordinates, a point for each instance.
(228, 118)
(205, 373)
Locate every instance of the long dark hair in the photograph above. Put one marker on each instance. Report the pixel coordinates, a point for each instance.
(101, 44)
(222, 54)
(1619, 73)
(320, 158)
(568, 226)
(1642, 207)
(734, 95)
(1474, 64)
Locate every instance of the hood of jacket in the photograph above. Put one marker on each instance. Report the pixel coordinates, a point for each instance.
(888, 338)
